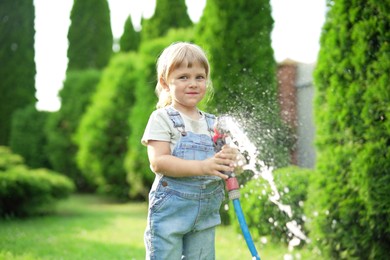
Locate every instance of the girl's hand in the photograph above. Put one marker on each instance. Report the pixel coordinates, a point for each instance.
(232, 153)
(226, 160)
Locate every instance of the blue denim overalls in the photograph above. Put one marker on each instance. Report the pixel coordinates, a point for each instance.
(183, 212)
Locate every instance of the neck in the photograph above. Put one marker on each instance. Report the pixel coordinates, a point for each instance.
(190, 112)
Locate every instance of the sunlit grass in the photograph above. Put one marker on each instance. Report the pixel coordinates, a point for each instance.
(90, 227)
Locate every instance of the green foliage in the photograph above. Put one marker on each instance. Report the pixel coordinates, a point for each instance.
(169, 14)
(237, 37)
(264, 218)
(353, 132)
(26, 192)
(61, 126)
(17, 69)
(103, 131)
(130, 39)
(90, 36)
(9, 159)
(27, 137)
(136, 162)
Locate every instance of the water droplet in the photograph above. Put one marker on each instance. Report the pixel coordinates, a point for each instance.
(14, 46)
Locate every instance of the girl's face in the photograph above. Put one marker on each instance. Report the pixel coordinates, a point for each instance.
(187, 86)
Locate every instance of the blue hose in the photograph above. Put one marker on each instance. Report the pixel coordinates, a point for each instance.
(244, 229)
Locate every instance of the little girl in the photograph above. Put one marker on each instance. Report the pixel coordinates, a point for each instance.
(188, 190)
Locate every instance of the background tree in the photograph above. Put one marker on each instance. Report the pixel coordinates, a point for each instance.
(17, 70)
(130, 38)
(237, 37)
(27, 138)
(61, 125)
(90, 36)
(103, 131)
(90, 48)
(353, 132)
(169, 14)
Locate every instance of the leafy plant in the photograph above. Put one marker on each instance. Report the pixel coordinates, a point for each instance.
(25, 191)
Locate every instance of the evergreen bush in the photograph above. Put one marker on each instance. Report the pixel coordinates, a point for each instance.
(352, 202)
(62, 125)
(104, 130)
(130, 38)
(24, 191)
(169, 14)
(27, 137)
(90, 35)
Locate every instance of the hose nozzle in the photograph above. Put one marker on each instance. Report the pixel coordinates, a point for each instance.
(221, 136)
(221, 132)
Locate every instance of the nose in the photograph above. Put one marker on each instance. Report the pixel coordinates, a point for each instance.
(193, 83)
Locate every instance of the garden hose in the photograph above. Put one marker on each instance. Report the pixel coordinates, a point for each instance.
(219, 139)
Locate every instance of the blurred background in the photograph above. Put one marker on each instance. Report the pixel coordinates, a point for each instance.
(306, 80)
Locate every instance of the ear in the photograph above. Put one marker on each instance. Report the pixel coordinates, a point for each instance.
(164, 84)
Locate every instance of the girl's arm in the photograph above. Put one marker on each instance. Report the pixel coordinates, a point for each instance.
(163, 162)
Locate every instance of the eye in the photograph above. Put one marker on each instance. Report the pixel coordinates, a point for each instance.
(183, 77)
(201, 77)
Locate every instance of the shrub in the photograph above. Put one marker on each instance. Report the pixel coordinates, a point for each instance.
(27, 137)
(25, 191)
(8, 159)
(61, 126)
(103, 130)
(352, 198)
(263, 217)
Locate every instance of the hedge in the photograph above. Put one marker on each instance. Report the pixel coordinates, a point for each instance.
(25, 191)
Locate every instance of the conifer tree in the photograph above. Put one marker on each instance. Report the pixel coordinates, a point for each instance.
(103, 130)
(168, 14)
(17, 69)
(237, 37)
(90, 48)
(130, 38)
(61, 125)
(90, 36)
(351, 192)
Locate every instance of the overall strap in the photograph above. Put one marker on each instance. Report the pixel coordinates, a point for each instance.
(210, 119)
(177, 120)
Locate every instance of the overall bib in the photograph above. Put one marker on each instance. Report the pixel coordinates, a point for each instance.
(183, 212)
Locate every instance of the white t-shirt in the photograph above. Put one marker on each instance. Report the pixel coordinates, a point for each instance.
(160, 127)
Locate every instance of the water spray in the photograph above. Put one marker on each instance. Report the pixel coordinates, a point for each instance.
(228, 131)
(221, 137)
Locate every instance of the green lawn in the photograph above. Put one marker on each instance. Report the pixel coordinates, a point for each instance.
(90, 227)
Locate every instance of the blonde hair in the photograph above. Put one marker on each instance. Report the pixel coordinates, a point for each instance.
(174, 56)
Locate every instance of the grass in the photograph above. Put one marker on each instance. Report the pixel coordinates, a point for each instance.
(91, 227)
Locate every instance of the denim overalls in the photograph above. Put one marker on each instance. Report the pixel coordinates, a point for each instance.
(183, 212)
